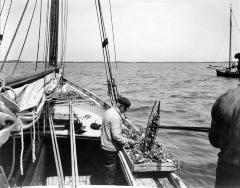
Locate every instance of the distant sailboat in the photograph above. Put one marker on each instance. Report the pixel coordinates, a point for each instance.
(230, 71)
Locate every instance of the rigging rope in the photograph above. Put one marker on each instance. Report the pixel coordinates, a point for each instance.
(13, 158)
(7, 17)
(39, 33)
(73, 148)
(235, 21)
(2, 8)
(114, 45)
(64, 21)
(44, 119)
(15, 33)
(26, 36)
(56, 153)
(34, 138)
(103, 50)
(65, 31)
(22, 150)
(100, 31)
(112, 87)
(46, 41)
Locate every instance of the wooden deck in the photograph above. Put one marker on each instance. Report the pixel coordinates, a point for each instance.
(87, 110)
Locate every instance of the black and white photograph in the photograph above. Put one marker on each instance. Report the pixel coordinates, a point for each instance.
(116, 93)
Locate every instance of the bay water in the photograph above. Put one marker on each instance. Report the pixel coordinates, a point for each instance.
(187, 92)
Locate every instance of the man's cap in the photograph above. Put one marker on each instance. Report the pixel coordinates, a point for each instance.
(124, 101)
(237, 56)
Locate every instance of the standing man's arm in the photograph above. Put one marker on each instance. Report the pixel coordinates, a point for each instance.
(117, 132)
(214, 135)
(214, 130)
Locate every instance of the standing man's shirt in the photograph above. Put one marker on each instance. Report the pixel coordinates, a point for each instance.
(111, 131)
(224, 126)
(225, 135)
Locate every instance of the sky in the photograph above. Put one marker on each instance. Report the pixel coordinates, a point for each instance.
(144, 30)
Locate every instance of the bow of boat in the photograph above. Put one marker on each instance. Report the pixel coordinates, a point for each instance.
(71, 105)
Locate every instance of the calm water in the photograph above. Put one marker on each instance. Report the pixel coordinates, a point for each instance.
(187, 92)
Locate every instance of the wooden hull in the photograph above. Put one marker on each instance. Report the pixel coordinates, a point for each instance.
(227, 73)
(43, 172)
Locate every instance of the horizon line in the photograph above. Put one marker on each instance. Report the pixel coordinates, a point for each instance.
(14, 61)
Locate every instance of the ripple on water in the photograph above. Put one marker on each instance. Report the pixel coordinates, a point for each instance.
(184, 102)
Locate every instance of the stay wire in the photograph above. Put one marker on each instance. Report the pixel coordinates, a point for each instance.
(26, 36)
(103, 32)
(66, 33)
(46, 41)
(64, 23)
(101, 19)
(235, 21)
(7, 17)
(104, 36)
(15, 33)
(103, 49)
(63, 12)
(112, 89)
(66, 26)
(114, 45)
(101, 38)
(107, 53)
(2, 8)
(112, 80)
(39, 34)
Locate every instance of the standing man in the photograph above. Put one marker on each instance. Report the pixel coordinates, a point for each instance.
(112, 139)
(237, 56)
(225, 135)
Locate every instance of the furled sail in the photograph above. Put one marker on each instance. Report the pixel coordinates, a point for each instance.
(21, 107)
(8, 117)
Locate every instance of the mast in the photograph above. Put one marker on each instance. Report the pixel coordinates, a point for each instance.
(230, 39)
(54, 19)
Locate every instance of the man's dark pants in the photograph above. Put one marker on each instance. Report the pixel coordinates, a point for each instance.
(109, 165)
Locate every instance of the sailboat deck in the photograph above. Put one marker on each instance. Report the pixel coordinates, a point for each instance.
(84, 114)
(87, 111)
(91, 111)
